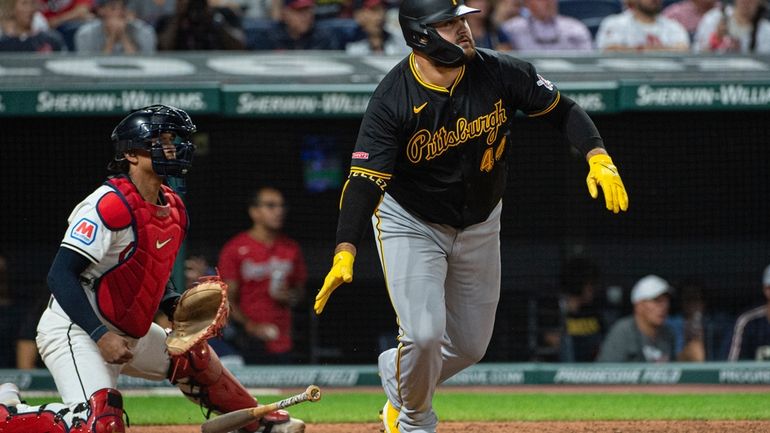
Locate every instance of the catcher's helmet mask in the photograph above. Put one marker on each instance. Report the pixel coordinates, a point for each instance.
(417, 17)
(155, 129)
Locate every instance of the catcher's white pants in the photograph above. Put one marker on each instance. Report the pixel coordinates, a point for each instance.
(76, 364)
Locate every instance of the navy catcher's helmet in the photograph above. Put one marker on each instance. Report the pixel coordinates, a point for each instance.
(143, 129)
(416, 17)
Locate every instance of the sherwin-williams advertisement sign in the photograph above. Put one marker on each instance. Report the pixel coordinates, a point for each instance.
(700, 96)
(117, 100)
(325, 84)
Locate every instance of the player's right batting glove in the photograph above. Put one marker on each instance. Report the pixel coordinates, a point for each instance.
(341, 272)
(604, 173)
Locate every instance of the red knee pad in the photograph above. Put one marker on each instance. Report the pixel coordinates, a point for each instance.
(105, 414)
(203, 379)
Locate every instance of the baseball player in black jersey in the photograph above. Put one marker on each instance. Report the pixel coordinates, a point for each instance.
(429, 169)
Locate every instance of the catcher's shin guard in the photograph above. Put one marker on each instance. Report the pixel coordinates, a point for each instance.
(40, 421)
(203, 379)
(105, 414)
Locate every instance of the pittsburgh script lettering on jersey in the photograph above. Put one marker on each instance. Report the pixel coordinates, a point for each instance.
(424, 145)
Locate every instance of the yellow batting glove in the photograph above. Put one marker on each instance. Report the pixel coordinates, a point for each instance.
(604, 173)
(341, 272)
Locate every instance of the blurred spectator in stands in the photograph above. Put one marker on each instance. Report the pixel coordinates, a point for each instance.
(234, 5)
(688, 13)
(297, 30)
(583, 327)
(14, 329)
(644, 336)
(504, 10)
(370, 16)
(331, 9)
(483, 28)
(391, 17)
(66, 16)
(27, 356)
(23, 28)
(265, 272)
(751, 336)
(641, 28)
(741, 27)
(687, 320)
(613, 305)
(150, 11)
(195, 267)
(115, 32)
(8, 318)
(544, 29)
(261, 9)
(197, 26)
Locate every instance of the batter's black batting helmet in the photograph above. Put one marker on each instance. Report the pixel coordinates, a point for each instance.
(416, 17)
(142, 129)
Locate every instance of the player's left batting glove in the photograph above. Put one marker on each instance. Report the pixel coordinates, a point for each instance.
(604, 173)
(341, 272)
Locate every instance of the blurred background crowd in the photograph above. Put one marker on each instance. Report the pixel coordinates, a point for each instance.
(362, 27)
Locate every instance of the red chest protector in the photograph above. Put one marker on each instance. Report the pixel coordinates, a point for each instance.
(129, 294)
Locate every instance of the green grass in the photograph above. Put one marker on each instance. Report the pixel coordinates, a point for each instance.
(363, 407)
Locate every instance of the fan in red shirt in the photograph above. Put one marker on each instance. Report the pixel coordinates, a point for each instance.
(266, 274)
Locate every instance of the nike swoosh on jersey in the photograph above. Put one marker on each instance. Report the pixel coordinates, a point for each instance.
(417, 109)
(159, 245)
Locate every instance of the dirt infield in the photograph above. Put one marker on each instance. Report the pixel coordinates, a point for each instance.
(529, 427)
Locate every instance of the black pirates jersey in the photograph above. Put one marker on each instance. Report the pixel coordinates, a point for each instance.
(441, 152)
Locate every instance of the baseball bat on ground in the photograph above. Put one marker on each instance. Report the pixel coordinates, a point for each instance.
(234, 420)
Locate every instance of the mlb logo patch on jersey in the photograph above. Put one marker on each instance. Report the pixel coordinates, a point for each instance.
(360, 155)
(84, 231)
(544, 83)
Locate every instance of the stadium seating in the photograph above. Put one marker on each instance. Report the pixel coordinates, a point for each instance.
(257, 29)
(346, 29)
(590, 12)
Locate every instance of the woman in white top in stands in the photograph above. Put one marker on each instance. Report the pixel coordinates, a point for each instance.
(641, 27)
(741, 28)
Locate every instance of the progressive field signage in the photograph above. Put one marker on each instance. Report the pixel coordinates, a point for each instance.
(737, 373)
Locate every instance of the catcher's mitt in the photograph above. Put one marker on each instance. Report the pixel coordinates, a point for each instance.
(200, 313)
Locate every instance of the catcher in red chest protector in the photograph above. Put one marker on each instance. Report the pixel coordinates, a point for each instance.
(108, 279)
